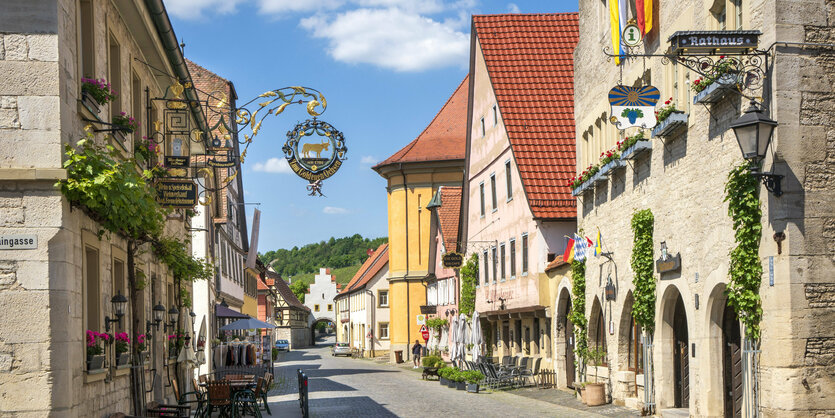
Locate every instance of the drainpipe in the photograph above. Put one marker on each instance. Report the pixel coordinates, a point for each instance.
(406, 206)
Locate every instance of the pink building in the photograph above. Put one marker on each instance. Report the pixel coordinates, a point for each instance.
(443, 290)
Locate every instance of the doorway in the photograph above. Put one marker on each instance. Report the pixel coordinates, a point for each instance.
(732, 363)
(681, 356)
(568, 328)
(506, 339)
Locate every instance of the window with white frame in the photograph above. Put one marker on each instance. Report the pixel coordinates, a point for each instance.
(481, 192)
(495, 263)
(493, 191)
(512, 258)
(384, 330)
(509, 180)
(486, 268)
(524, 253)
(502, 253)
(383, 297)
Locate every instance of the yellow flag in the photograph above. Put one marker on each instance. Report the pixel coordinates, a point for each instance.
(614, 21)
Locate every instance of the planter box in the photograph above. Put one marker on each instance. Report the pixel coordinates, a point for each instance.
(598, 178)
(634, 151)
(472, 387)
(611, 166)
(122, 359)
(144, 356)
(450, 383)
(444, 381)
(461, 385)
(95, 362)
(90, 103)
(121, 136)
(714, 92)
(673, 123)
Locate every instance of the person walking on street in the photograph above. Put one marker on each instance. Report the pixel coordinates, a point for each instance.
(416, 350)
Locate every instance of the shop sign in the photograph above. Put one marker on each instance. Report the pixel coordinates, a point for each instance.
(229, 163)
(633, 106)
(610, 290)
(176, 162)
(428, 309)
(667, 263)
(19, 242)
(421, 319)
(314, 150)
(176, 193)
(453, 260)
(727, 41)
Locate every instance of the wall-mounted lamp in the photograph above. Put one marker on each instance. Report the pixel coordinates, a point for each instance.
(158, 312)
(753, 132)
(119, 302)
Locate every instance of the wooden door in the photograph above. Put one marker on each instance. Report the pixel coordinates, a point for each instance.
(681, 357)
(569, 348)
(732, 364)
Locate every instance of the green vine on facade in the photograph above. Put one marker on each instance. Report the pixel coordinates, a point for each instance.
(742, 192)
(181, 264)
(469, 280)
(643, 306)
(577, 316)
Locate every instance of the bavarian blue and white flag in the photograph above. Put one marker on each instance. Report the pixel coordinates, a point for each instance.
(580, 248)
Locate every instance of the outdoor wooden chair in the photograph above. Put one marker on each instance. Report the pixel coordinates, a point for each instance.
(156, 409)
(268, 383)
(220, 399)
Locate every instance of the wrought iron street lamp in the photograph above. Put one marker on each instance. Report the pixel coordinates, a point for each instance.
(118, 303)
(173, 316)
(158, 312)
(753, 132)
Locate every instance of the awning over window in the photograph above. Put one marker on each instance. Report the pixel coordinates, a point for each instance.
(224, 312)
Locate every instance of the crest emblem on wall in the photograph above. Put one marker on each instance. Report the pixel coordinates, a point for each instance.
(633, 106)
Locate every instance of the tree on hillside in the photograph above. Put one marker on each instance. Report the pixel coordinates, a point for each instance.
(333, 253)
(299, 289)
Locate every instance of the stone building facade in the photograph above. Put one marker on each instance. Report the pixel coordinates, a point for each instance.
(681, 180)
(61, 287)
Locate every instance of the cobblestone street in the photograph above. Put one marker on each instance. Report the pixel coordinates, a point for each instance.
(341, 386)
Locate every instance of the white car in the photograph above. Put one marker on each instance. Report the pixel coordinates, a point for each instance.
(341, 349)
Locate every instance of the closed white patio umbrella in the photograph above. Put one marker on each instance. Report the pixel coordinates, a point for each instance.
(461, 337)
(453, 328)
(476, 339)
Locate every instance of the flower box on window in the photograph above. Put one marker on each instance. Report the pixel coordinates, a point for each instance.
(671, 124)
(598, 178)
(716, 90)
(635, 150)
(95, 362)
(90, 103)
(609, 167)
(122, 359)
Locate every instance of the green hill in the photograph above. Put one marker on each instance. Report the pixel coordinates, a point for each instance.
(343, 275)
(336, 254)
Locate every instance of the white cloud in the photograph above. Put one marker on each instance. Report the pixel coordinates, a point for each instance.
(296, 6)
(273, 165)
(391, 38)
(513, 8)
(193, 9)
(368, 159)
(333, 210)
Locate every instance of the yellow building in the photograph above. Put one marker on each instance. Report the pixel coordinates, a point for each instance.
(434, 159)
(250, 306)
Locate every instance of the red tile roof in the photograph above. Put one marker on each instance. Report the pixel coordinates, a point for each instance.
(449, 213)
(369, 269)
(285, 293)
(530, 60)
(446, 136)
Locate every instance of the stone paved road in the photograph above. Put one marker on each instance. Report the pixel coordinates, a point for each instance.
(345, 387)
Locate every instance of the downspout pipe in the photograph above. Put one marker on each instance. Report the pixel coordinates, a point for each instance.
(175, 56)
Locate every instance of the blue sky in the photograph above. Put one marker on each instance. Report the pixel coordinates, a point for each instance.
(385, 67)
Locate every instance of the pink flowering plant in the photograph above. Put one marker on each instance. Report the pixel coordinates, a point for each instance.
(94, 342)
(175, 342)
(125, 122)
(98, 89)
(140, 343)
(121, 340)
(145, 149)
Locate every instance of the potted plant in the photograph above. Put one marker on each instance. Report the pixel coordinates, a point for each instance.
(669, 119)
(175, 343)
(595, 393)
(144, 149)
(452, 375)
(443, 372)
(142, 348)
(122, 341)
(124, 124)
(95, 93)
(715, 83)
(632, 146)
(95, 351)
(473, 377)
(609, 160)
(460, 380)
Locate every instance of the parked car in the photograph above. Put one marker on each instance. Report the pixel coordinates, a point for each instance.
(282, 345)
(341, 349)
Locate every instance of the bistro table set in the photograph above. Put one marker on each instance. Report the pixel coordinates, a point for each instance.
(235, 395)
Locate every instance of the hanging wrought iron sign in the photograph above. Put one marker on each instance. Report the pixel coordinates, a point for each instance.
(631, 35)
(176, 193)
(715, 42)
(315, 151)
(633, 106)
(453, 260)
(667, 263)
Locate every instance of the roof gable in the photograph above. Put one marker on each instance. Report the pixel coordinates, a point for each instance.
(449, 211)
(369, 269)
(444, 138)
(530, 60)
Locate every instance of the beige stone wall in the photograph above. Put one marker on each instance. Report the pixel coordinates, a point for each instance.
(42, 291)
(682, 182)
